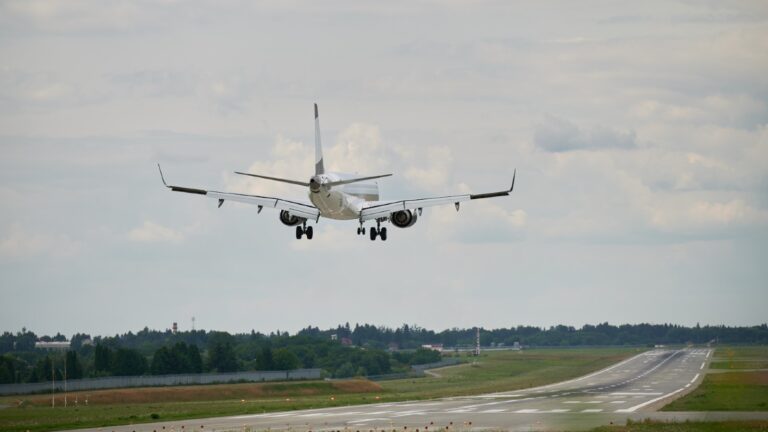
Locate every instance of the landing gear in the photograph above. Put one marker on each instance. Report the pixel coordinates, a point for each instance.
(304, 229)
(379, 232)
(361, 230)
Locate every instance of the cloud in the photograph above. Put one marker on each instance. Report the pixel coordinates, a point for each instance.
(151, 232)
(558, 135)
(19, 243)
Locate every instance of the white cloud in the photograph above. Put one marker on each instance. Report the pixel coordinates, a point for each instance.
(19, 243)
(151, 232)
(558, 135)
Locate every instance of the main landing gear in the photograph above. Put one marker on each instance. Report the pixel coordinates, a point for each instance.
(304, 229)
(375, 232)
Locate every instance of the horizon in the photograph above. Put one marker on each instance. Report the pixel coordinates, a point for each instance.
(352, 326)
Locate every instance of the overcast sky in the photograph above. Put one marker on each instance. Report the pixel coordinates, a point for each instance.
(639, 131)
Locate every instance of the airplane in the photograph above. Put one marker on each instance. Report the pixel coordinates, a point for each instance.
(339, 196)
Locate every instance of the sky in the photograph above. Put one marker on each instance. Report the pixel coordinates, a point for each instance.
(639, 131)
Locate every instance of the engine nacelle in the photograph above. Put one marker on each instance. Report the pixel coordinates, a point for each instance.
(289, 219)
(403, 218)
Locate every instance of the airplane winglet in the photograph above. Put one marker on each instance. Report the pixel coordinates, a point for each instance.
(514, 174)
(161, 175)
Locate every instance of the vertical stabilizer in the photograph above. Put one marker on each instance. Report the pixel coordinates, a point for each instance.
(319, 168)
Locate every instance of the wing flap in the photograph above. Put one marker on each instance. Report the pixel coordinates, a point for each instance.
(293, 207)
(382, 209)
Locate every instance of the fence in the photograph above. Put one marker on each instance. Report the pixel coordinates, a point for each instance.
(159, 380)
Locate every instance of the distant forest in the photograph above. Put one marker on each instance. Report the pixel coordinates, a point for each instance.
(343, 351)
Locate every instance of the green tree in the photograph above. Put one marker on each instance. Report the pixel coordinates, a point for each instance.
(162, 363)
(102, 359)
(346, 370)
(195, 360)
(264, 359)
(74, 367)
(7, 369)
(284, 359)
(128, 362)
(221, 353)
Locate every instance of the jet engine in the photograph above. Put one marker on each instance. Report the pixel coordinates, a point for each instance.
(289, 219)
(403, 218)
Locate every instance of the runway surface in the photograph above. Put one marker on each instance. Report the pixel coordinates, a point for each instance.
(633, 388)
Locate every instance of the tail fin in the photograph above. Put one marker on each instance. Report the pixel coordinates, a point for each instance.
(319, 168)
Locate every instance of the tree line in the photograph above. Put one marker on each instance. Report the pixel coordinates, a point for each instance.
(342, 351)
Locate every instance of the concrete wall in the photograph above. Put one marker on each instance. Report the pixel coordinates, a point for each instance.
(159, 380)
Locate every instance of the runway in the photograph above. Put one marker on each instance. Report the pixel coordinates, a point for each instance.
(633, 388)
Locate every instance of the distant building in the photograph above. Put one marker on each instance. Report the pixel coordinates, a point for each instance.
(393, 346)
(174, 328)
(434, 347)
(346, 341)
(334, 337)
(52, 345)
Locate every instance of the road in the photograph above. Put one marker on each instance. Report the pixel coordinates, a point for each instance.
(633, 388)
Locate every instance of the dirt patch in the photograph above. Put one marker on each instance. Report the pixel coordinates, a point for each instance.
(201, 393)
(357, 386)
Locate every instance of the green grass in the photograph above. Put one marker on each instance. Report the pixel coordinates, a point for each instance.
(494, 371)
(740, 357)
(508, 370)
(724, 426)
(729, 391)
(752, 352)
(742, 364)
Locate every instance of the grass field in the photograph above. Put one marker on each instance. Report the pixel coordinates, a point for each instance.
(726, 426)
(494, 371)
(745, 357)
(508, 370)
(733, 389)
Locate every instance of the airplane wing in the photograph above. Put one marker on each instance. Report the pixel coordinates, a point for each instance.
(378, 209)
(294, 208)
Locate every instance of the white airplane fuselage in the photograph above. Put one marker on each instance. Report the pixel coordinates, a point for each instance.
(341, 202)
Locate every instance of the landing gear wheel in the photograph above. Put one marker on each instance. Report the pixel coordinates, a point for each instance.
(383, 234)
(373, 234)
(299, 233)
(309, 232)
(358, 230)
(363, 230)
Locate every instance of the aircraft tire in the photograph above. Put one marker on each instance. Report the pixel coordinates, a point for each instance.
(299, 233)
(309, 232)
(383, 234)
(373, 234)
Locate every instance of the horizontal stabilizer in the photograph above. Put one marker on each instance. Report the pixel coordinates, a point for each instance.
(354, 180)
(296, 182)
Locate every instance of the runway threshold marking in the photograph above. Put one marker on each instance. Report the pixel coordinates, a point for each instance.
(702, 365)
(637, 407)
